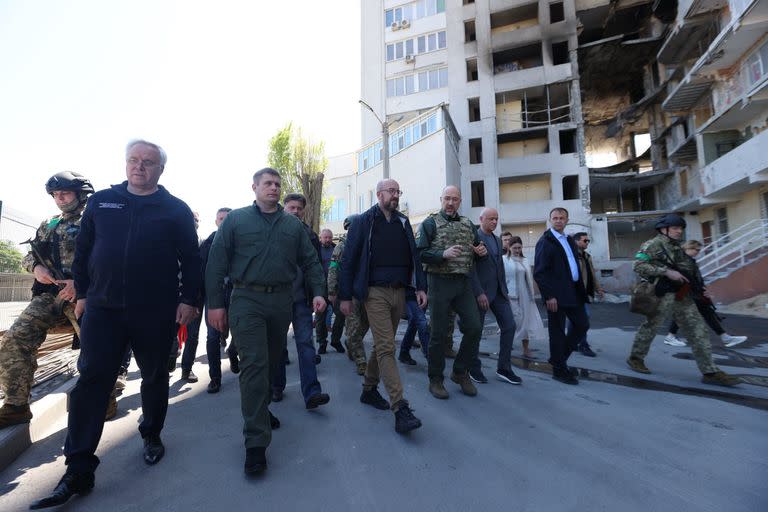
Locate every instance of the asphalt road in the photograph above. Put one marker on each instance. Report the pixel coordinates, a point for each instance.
(542, 446)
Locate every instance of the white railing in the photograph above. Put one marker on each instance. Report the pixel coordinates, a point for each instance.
(732, 250)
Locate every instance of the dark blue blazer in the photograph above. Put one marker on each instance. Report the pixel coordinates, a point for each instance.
(553, 274)
(488, 276)
(356, 259)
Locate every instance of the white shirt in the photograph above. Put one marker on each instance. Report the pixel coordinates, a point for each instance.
(563, 239)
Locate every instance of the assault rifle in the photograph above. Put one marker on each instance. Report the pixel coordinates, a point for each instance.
(67, 308)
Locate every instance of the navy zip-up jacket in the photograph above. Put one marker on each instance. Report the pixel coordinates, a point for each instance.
(356, 260)
(130, 249)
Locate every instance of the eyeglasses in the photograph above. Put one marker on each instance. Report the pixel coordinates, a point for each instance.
(587, 241)
(392, 191)
(143, 163)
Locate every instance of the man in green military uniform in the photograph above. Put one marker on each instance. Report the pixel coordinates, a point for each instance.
(52, 299)
(662, 258)
(260, 248)
(448, 244)
(355, 324)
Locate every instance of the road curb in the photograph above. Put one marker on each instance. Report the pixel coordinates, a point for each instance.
(46, 413)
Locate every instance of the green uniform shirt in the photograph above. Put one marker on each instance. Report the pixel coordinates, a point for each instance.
(255, 249)
(654, 256)
(333, 268)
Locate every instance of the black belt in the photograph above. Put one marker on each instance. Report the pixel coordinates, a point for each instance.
(447, 276)
(395, 285)
(270, 288)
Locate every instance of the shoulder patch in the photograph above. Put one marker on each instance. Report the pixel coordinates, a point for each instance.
(642, 256)
(53, 222)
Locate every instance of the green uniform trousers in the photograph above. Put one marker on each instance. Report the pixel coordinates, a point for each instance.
(357, 326)
(452, 292)
(259, 324)
(687, 316)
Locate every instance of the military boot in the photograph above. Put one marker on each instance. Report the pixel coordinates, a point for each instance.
(14, 415)
(720, 379)
(463, 380)
(638, 365)
(361, 368)
(437, 388)
(111, 408)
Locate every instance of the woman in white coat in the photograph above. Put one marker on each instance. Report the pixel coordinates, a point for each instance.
(521, 298)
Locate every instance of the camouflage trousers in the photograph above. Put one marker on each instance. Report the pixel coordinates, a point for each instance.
(357, 327)
(687, 315)
(18, 347)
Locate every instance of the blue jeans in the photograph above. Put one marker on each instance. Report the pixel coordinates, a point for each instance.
(417, 321)
(583, 341)
(302, 332)
(213, 349)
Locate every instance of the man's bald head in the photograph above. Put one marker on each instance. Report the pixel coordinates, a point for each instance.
(489, 219)
(450, 200)
(388, 193)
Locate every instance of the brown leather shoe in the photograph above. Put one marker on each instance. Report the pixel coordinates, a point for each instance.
(463, 380)
(111, 408)
(437, 388)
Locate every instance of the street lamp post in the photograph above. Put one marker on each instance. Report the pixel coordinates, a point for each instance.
(384, 140)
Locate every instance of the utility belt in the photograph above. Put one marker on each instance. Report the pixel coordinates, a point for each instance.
(447, 275)
(262, 288)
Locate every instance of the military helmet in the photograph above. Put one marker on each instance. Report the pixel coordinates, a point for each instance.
(68, 180)
(349, 221)
(670, 219)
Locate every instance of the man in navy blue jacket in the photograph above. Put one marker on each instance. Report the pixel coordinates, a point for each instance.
(380, 260)
(556, 271)
(134, 238)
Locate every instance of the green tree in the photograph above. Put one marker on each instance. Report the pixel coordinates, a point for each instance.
(10, 257)
(301, 164)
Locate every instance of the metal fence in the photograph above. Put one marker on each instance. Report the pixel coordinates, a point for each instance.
(16, 287)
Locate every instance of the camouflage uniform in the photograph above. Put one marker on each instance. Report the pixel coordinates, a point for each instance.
(651, 261)
(356, 324)
(19, 345)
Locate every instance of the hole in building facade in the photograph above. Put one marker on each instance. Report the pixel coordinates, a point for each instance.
(475, 151)
(478, 193)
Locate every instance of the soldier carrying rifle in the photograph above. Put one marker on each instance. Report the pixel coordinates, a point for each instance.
(53, 294)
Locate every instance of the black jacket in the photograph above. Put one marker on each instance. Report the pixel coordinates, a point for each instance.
(553, 274)
(130, 250)
(356, 260)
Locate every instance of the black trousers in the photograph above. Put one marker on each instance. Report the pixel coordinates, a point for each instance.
(561, 345)
(709, 315)
(104, 336)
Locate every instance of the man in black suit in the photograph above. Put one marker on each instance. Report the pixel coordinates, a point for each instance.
(489, 284)
(556, 271)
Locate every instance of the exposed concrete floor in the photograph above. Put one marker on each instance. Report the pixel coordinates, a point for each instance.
(541, 446)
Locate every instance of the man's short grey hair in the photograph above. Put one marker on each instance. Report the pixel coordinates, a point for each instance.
(136, 142)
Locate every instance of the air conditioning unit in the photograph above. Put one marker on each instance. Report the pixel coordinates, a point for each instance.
(410, 58)
(395, 25)
(405, 24)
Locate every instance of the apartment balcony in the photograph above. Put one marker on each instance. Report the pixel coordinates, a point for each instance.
(681, 142)
(739, 110)
(542, 163)
(684, 39)
(535, 107)
(738, 170)
(691, 8)
(522, 78)
(687, 93)
(510, 36)
(515, 25)
(530, 212)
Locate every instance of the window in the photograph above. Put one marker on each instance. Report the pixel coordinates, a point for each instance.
(560, 53)
(556, 12)
(337, 212)
(475, 151)
(470, 32)
(421, 44)
(755, 68)
(478, 193)
(471, 70)
(417, 82)
(413, 11)
(474, 109)
(567, 141)
(721, 217)
(570, 187)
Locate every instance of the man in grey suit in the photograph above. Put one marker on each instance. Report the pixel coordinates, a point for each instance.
(490, 286)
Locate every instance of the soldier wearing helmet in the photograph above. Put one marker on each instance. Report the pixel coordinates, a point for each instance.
(660, 260)
(51, 298)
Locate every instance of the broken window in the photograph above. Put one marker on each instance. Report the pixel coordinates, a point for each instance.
(515, 18)
(478, 193)
(470, 32)
(567, 141)
(522, 57)
(475, 151)
(560, 53)
(474, 109)
(570, 187)
(556, 12)
(471, 70)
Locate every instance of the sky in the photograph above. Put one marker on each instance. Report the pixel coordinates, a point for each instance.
(211, 82)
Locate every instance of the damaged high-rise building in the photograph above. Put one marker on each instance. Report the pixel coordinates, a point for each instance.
(617, 110)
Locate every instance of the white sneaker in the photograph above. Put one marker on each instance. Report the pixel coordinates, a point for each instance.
(672, 340)
(732, 341)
